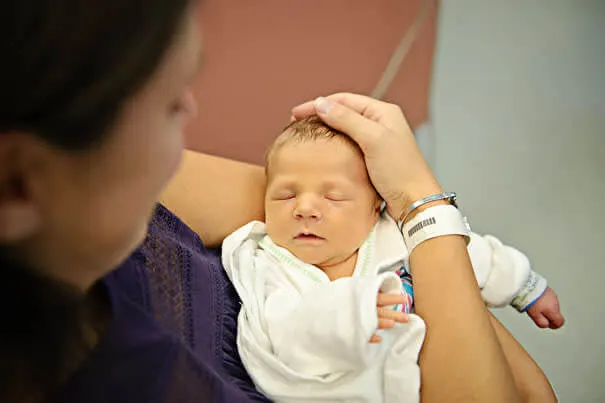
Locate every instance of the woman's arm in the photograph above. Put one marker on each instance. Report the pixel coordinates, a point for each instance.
(461, 359)
(429, 282)
(532, 384)
(215, 196)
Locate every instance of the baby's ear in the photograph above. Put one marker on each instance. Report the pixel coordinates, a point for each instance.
(380, 205)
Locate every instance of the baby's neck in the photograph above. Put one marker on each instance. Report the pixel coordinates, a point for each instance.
(344, 268)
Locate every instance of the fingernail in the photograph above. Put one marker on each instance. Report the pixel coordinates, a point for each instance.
(323, 105)
(402, 318)
(292, 119)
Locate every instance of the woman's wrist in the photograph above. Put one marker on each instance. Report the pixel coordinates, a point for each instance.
(400, 206)
(422, 208)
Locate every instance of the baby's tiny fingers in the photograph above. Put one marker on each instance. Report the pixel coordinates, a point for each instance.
(542, 321)
(390, 299)
(556, 320)
(393, 315)
(375, 338)
(386, 323)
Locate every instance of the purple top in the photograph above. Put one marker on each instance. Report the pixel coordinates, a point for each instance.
(172, 336)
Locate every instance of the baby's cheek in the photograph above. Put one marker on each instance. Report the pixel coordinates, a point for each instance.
(277, 230)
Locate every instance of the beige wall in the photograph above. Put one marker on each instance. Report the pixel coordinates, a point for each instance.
(264, 57)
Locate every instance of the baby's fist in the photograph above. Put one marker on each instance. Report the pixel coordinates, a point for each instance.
(545, 311)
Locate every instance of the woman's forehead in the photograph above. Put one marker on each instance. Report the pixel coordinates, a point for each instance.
(183, 60)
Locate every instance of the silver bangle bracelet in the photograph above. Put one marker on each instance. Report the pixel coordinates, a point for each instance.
(449, 196)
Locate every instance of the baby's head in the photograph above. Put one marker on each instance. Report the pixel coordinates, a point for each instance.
(320, 203)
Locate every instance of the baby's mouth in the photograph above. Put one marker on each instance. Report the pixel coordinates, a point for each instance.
(308, 236)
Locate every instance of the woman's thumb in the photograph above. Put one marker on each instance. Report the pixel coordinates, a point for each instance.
(323, 106)
(346, 120)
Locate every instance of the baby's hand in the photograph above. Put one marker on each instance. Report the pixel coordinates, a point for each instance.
(387, 317)
(545, 311)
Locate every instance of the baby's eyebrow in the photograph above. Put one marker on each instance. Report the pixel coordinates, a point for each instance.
(281, 183)
(336, 183)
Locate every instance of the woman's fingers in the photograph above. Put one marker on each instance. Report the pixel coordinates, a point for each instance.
(361, 129)
(362, 118)
(303, 110)
(368, 107)
(359, 103)
(386, 114)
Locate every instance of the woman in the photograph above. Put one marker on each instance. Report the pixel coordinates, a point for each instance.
(100, 303)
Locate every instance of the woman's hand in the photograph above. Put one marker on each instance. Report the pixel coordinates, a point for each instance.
(394, 161)
(388, 317)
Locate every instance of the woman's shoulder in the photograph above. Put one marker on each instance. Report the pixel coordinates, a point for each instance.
(171, 276)
(160, 275)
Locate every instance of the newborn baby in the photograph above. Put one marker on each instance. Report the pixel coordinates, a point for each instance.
(311, 275)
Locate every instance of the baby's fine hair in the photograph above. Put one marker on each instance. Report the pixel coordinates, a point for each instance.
(311, 128)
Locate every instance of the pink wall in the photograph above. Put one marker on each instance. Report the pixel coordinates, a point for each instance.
(263, 57)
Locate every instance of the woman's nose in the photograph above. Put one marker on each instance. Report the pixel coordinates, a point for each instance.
(190, 104)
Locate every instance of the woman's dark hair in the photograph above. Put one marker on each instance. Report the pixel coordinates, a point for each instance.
(67, 67)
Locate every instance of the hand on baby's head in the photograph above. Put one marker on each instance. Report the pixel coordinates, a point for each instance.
(545, 312)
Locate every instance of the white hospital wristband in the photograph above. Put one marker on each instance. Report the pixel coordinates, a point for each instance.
(532, 290)
(434, 222)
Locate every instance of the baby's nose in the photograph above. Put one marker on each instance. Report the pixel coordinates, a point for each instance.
(306, 208)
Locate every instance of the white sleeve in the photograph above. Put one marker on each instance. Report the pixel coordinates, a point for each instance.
(327, 330)
(503, 273)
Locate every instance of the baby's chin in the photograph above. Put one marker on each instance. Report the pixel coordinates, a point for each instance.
(316, 258)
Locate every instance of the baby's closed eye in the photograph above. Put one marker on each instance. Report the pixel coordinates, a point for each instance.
(336, 197)
(283, 195)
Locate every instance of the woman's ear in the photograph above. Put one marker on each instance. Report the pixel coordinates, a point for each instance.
(19, 214)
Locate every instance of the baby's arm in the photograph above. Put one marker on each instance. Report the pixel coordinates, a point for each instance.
(505, 277)
(504, 274)
(327, 330)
